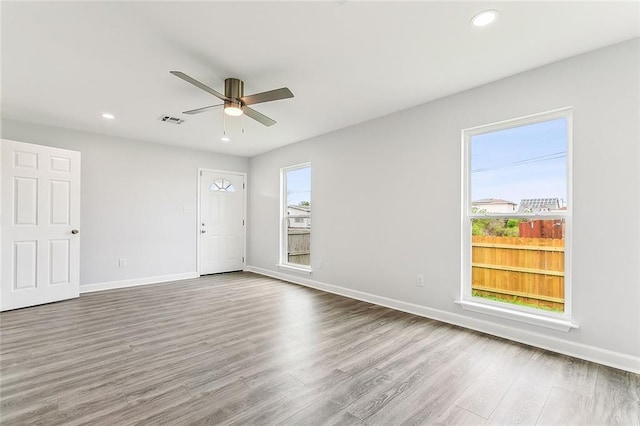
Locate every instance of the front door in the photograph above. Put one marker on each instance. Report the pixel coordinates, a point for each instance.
(40, 245)
(221, 224)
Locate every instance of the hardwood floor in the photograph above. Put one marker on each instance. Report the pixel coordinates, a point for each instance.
(244, 349)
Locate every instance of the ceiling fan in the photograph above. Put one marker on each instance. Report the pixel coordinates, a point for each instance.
(235, 102)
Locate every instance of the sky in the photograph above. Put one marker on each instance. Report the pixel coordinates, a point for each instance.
(522, 162)
(298, 186)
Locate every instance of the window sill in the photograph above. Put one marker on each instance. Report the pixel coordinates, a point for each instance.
(528, 318)
(292, 268)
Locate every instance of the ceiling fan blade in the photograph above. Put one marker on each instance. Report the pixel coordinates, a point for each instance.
(271, 95)
(252, 113)
(196, 83)
(199, 110)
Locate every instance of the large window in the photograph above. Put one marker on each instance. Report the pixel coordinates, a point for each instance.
(295, 240)
(517, 214)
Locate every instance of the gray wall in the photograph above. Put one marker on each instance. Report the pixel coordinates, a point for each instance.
(132, 202)
(400, 177)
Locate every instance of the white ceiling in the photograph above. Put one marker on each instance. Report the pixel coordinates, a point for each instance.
(65, 63)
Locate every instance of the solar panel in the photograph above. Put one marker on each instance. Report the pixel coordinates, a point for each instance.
(538, 204)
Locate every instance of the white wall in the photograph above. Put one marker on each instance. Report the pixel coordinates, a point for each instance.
(414, 158)
(132, 203)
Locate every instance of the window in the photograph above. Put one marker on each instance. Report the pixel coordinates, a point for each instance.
(517, 214)
(222, 185)
(295, 243)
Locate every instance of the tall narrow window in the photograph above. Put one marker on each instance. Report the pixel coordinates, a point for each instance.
(296, 217)
(516, 220)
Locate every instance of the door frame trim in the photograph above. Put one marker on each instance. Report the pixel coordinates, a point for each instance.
(244, 213)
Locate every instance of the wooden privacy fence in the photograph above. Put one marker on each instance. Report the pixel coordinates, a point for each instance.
(521, 270)
(299, 245)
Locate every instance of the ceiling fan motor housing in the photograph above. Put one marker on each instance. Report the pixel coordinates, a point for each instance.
(234, 88)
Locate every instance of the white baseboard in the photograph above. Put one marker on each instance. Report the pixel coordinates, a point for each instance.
(578, 350)
(89, 288)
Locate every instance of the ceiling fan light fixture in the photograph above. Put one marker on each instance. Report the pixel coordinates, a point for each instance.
(232, 108)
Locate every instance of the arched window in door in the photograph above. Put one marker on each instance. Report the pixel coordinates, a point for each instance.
(222, 185)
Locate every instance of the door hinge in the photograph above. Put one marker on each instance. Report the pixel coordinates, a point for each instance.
(242, 259)
(242, 222)
(242, 185)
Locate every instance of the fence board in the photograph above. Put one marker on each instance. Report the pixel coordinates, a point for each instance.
(517, 247)
(518, 269)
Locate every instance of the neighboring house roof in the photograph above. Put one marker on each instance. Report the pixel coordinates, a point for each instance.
(538, 204)
(493, 201)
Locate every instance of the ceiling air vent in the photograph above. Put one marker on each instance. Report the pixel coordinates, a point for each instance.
(169, 119)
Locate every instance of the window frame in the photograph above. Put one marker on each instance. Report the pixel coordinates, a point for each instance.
(283, 261)
(541, 317)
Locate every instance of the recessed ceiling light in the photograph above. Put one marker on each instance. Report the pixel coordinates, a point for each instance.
(108, 116)
(483, 19)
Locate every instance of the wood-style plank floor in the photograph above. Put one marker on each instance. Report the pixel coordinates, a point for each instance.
(244, 349)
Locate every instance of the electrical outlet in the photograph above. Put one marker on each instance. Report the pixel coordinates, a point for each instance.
(122, 262)
(419, 280)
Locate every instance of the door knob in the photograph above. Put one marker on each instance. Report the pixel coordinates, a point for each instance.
(202, 231)
(74, 231)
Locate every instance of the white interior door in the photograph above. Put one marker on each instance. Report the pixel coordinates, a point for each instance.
(221, 222)
(40, 245)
